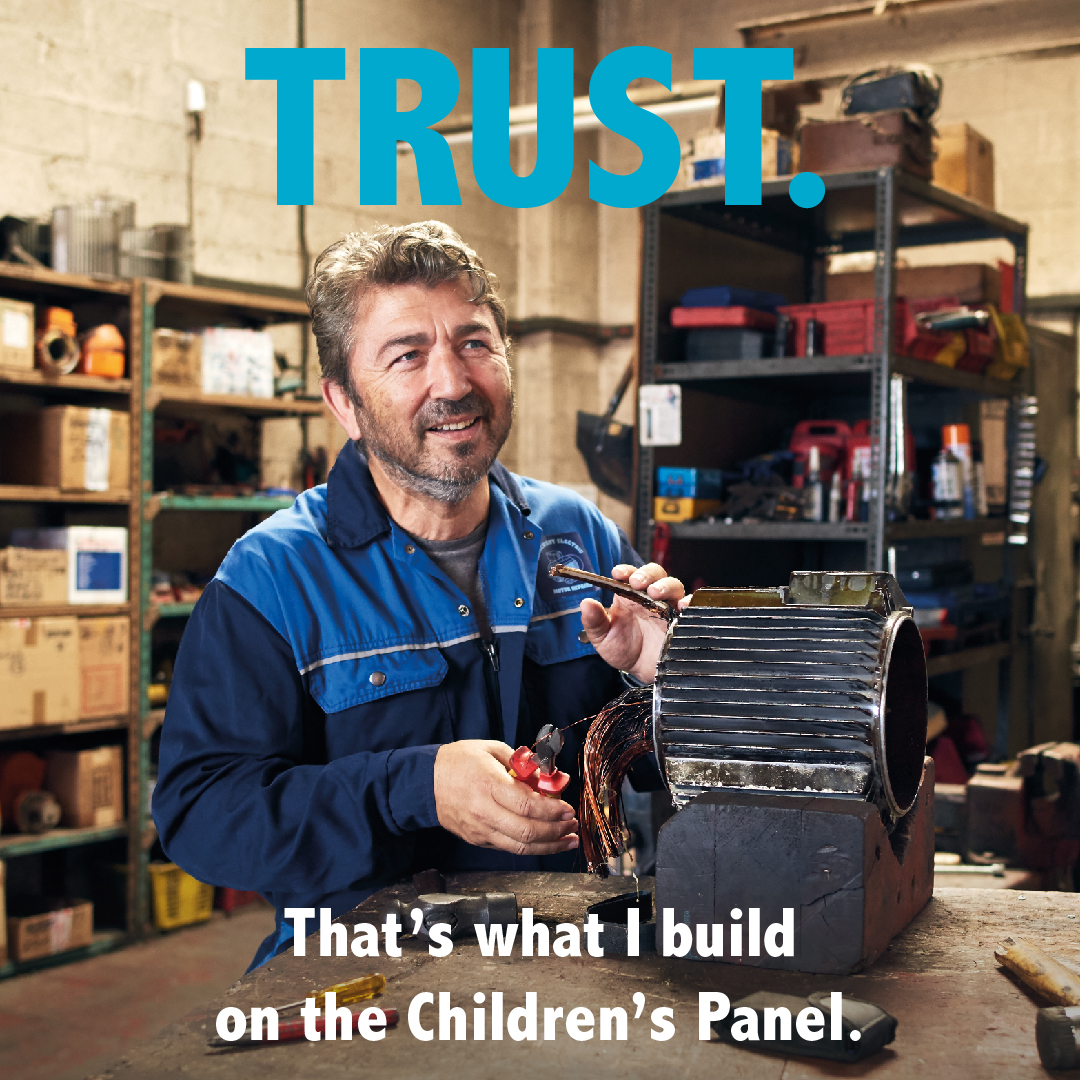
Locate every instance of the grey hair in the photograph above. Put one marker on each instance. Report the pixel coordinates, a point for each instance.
(423, 253)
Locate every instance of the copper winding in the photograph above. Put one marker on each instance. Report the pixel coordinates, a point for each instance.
(620, 733)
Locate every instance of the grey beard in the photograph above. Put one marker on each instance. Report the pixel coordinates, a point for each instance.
(446, 489)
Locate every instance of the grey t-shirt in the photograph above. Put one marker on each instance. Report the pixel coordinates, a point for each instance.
(459, 561)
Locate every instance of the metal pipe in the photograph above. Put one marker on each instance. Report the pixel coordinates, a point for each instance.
(586, 121)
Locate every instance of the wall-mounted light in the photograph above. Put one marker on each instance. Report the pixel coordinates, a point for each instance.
(196, 106)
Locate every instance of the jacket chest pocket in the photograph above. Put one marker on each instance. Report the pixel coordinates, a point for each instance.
(387, 700)
(553, 640)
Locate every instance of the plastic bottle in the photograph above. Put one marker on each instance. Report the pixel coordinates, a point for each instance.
(947, 473)
(956, 438)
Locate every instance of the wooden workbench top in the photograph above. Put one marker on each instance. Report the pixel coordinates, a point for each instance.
(959, 1014)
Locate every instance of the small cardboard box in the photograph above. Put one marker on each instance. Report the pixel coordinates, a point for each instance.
(89, 785)
(42, 926)
(281, 444)
(103, 666)
(970, 283)
(237, 362)
(68, 447)
(39, 671)
(96, 559)
(965, 163)
(16, 334)
(177, 359)
(30, 578)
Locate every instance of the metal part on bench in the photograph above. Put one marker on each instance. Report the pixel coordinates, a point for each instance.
(818, 688)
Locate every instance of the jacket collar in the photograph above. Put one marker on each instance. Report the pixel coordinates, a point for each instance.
(354, 513)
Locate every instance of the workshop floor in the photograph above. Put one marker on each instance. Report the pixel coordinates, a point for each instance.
(69, 1022)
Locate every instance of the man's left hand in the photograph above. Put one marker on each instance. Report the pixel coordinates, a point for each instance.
(626, 635)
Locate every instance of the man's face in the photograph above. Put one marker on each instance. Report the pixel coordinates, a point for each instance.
(430, 387)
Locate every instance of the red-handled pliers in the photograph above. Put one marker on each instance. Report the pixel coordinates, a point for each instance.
(535, 766)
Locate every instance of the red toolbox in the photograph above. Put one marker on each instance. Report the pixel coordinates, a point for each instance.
(849, 324)
(738, 317)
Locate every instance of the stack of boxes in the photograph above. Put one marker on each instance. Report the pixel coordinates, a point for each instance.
(88, 785)
(216, 361)
(60, 669)
(686, 494)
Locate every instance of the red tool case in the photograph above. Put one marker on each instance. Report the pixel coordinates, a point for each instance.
(746, 318)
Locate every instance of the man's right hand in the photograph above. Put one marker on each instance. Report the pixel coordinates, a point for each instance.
(478, 800)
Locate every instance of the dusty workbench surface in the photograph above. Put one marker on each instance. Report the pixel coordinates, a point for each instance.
(959, 1014)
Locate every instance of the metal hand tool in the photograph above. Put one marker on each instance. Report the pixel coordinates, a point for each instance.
(359, 989)
(460, 913)
(660, 608)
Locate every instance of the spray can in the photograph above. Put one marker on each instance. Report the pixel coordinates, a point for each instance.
(814, 498)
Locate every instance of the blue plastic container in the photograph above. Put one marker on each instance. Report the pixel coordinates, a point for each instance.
(689, 483)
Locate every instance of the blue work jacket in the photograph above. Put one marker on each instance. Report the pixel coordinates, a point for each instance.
(329, 659)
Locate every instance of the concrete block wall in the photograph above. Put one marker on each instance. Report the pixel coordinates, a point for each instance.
(92, 101)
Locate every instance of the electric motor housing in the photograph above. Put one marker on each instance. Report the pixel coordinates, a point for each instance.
(814, 688)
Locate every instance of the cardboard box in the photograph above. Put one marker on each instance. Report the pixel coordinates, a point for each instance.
(68, 447)
(238, 362)
(993, 431)
(39, 671)
(871, 141)
(965, 163)
(281, 443)
(89, 785)
(42, 926)
(970, 283)
(96, 559)
(104, 676)
(16, 334)
(177, 359)
(31, 578)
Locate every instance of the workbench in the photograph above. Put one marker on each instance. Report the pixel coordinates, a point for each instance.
(959, 1014)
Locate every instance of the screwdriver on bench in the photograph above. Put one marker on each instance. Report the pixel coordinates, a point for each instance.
(348, 993)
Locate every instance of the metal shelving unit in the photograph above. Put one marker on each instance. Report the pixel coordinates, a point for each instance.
(138, 306)
(875, 210)
(101, 300)
(167, 304)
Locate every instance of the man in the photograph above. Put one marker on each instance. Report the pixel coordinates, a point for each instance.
(350, 685)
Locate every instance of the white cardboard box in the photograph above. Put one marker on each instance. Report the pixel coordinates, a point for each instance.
(237, 362)
(97, 560)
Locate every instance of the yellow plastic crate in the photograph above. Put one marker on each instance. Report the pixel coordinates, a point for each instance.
(179, 900)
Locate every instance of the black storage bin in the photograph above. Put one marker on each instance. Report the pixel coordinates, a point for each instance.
(705, 346)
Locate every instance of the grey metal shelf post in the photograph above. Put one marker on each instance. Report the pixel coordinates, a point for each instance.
(885, 227)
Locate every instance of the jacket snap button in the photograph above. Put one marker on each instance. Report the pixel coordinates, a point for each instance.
(377, 678)
(528, 535)
(409, 549)
(583, 637)
(518, 602)
(462, 609)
